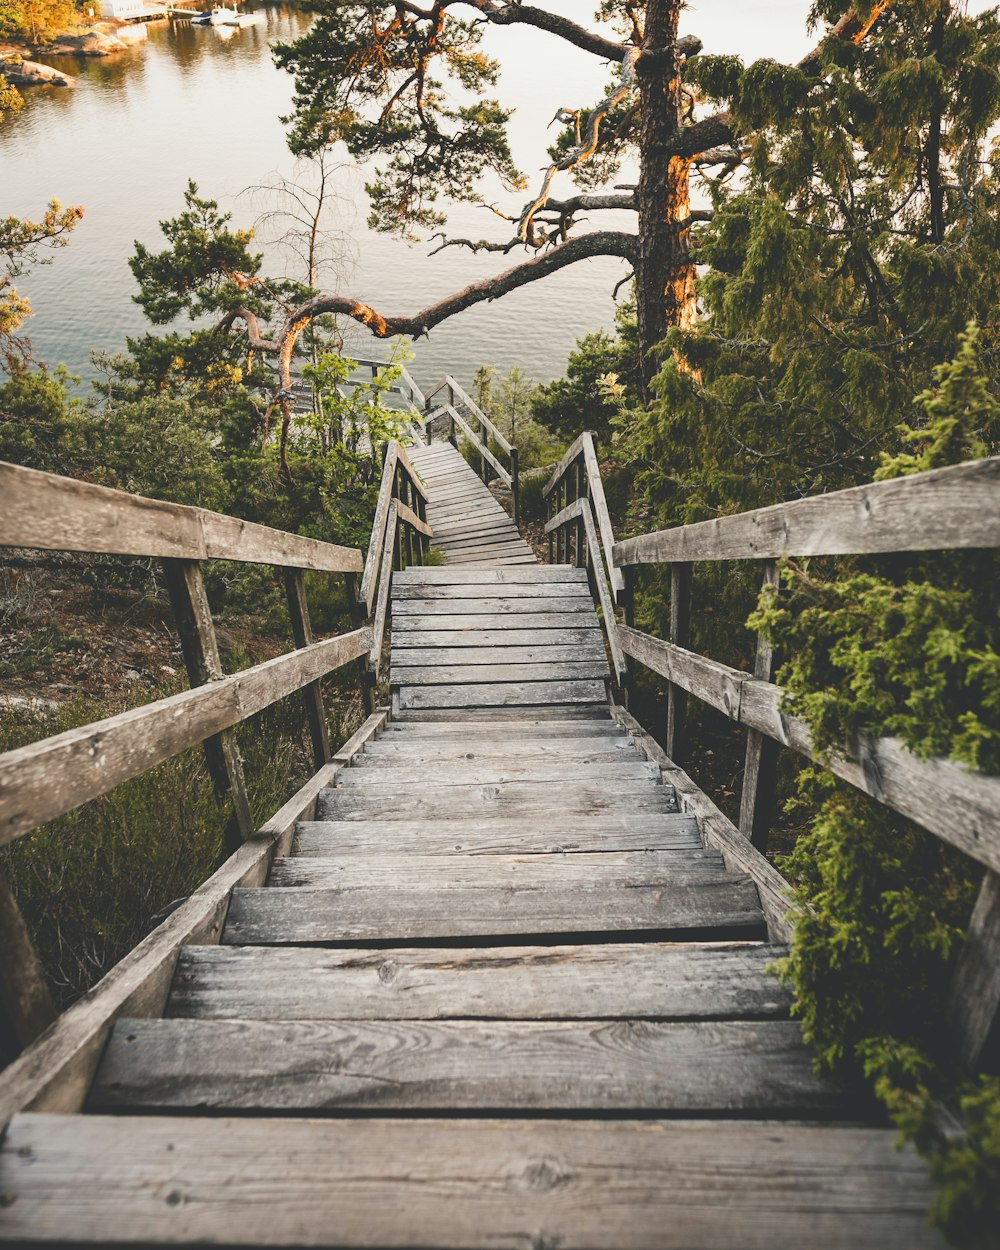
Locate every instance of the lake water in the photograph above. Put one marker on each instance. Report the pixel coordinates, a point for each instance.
(192, 103)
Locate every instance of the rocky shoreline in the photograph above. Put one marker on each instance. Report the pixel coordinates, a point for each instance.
(101, 39)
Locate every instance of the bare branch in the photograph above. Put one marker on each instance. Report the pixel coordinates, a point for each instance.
(599, 243)
(501, 14)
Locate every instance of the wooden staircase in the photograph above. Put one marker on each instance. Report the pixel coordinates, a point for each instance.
(499, 994)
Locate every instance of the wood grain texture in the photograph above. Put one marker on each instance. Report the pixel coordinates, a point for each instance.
(966, 812)
(619, 1067)
(489, 617)
(720, 904)
(943, 509)
(457, 577)
(451, 773)
(585, 639)
(496, 799)
(508, 590)
(974, 1003)
(496, 750)
(543, 652)
(555, 834)
(499, 694)
(54, 1073)
(466, 1185)
(548, 671)
(496, 605)
(418, 871)
(55, 513)
(643, 980)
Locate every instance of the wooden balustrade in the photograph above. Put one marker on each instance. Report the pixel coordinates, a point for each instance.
(462, 412)
(47, 779)
(945, 509)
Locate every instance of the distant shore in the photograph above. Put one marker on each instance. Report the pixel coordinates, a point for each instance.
(20, 66)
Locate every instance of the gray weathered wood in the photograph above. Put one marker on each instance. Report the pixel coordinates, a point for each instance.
(389, 539)
(620, 1066)
(459, 577)
(602, 517)
(45, 779)
(757, 795)
(26, 1004)
(954, 507)
(718, 831)
(461, 727)
(510, 589)
(546, 671)
(64, 514)
(373, 560)
(196, 630)
(478, 413)
(497, 605)
(680, 634)
(404, 656)
(500, 694)
(586, 640)
(538, 871)
(465, 1184)
(55, 1073)
(974, 1006)
(312, 695)
(498, 751)
(555, 833)
(456, 772)
(639, 980)
(471, 623)
(966, 811)
(497, 799)
(718, 904)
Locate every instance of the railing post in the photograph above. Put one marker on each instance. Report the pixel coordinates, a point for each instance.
(515, 487)
(26, 1006)
(974, 1006)
(423, 542)
(581, 537)
(627, 600)
(359, 616)
(452, 436)
(680, 633)
(312, 695)
(759, 774)
(200, 649)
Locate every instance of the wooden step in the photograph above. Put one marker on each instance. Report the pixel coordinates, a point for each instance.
(465, 772)
(489, 588)
(500, 799)
(585, 640)
(721, 905)
(498, 1067)
(644, 980)
(626, 869)
(555, 834)
(566, 607)
(488, 617)
(549, 573)
(482, 1185)
(543, 652)
(550, 671)
(503, 694)
(545, 726)
(382, 754)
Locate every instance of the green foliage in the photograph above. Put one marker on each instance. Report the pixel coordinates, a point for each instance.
(22, 243)
(37, 21)
(10, 99)
(510, 403)
(380, 81)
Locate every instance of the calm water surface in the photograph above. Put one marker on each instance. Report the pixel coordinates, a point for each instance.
(190, 103)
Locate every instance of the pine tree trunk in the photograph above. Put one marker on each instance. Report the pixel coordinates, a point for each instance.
(664, 272)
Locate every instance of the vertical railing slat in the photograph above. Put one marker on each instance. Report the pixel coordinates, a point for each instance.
(680, 633)
(312, 695)
(200, 649)
(757, 801)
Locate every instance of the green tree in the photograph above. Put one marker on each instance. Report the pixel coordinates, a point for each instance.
(408, 90)
(841, 272)
(21, 244)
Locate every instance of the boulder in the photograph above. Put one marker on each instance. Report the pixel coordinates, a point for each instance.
(32, 74)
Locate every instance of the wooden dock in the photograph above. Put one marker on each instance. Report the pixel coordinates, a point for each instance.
(497, 989)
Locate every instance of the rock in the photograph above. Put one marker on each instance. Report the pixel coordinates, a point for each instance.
(33, 74)
(94, 42)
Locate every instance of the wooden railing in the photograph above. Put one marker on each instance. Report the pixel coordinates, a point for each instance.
(47, 779)
(946, 509)
(462, 418)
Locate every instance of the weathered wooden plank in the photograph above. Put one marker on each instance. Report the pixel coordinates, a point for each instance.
(536, 694)
(966, 811)
(572, 453)
(56, 513)
(974, 1001)
(954, 507)
(626, 869)
(484, 421)
(640, 980)
(758, 790)
(469, 1184)
(422, 657)
(458, 577)
(498, 605)
(369, 580)
(510, 798)
(498, 751)
(511, 589)
(462, 727)
(719, 903)
(458, 772)
(409, 517)
(554, 712)
(404, 459)
(599, 503)
(26, 1004)
(45, 779)
(499, 553)
(483, 450)
(490, 619)
(456, 674)
(55, 1073)
(587, 639)
(312, 695)
(718, 831)
(623, 1067)
(389, 540)
(609, 832)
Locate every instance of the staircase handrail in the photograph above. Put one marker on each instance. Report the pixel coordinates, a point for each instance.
(457, 397)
